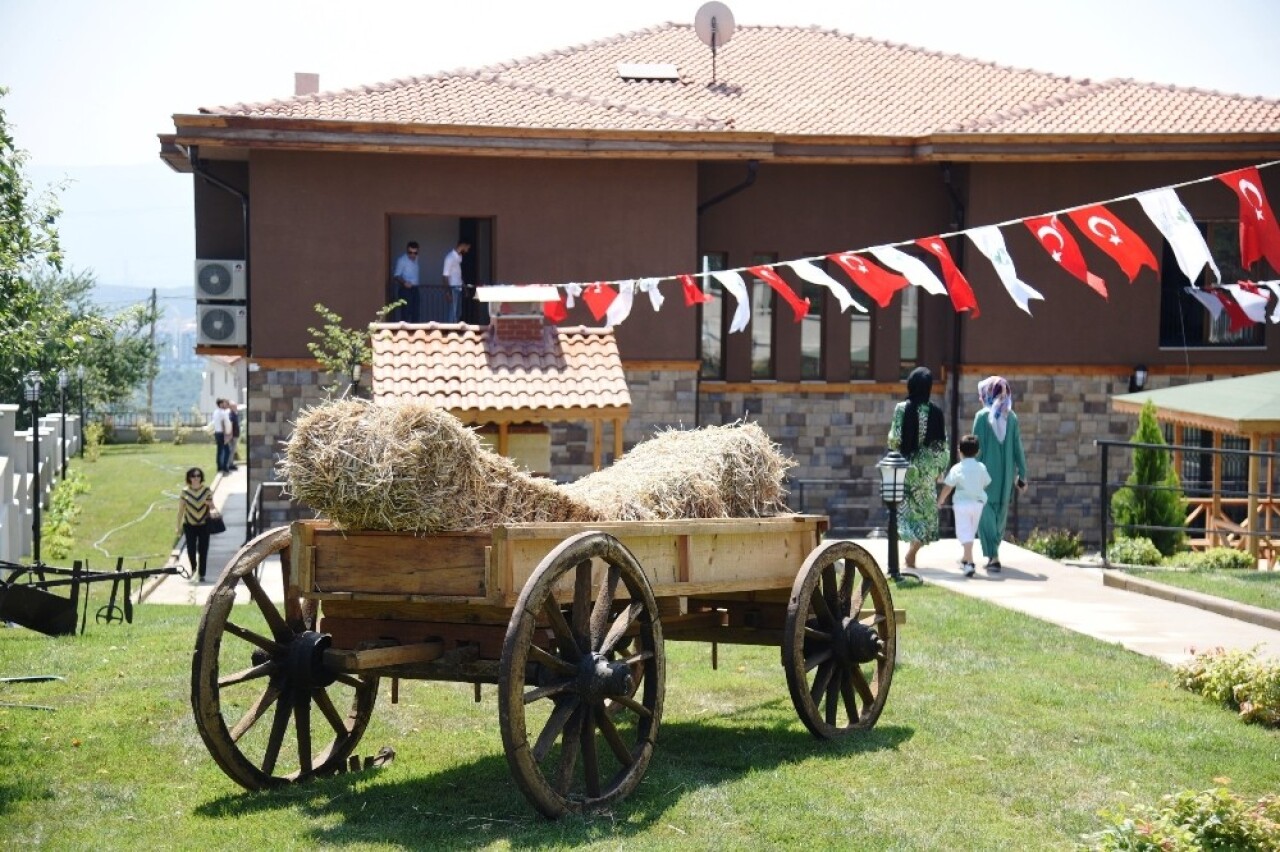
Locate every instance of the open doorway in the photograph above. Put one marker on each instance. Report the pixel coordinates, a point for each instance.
(436, 236)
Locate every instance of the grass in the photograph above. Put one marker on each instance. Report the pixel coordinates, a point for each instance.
(1256, 588)
(131, 506)
(1001, 732)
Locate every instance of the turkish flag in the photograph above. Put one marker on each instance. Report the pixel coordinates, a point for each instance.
(693, 294)
(1116, 239)
(1062, 247)
(555, 311)
(799, 306)
(962, 298)
(877, 283)
(599, 297)
(1238, 320)
(1259, 233)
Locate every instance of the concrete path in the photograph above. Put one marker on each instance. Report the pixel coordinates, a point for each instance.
(1072, 596)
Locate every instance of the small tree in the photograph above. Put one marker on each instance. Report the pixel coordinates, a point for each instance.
(1152, 496)
(338, 348)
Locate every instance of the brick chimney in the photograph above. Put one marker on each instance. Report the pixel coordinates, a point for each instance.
(305, 83)
(525, 327)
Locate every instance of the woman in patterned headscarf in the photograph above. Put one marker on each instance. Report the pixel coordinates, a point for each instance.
(1000, 450)
(919, 433)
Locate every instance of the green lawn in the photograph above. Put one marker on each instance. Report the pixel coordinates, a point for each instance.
(1256, 588)
(1000, 732)
(131, 506)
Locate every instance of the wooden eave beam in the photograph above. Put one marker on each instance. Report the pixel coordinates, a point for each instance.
(540, 415)
(1218, 425)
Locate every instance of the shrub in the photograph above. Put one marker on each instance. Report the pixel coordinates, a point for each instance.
(1152, 495)
(1214, 559)
(1133, 551)
(1210, 819)
(146, 432)
(1055, 543)
(1235, 679)
(57, 525)
(180, 433)
(95, 435)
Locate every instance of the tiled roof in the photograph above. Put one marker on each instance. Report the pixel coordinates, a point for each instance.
(788, 81)
(570, 372)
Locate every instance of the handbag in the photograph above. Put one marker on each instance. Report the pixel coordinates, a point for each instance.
(215, 522)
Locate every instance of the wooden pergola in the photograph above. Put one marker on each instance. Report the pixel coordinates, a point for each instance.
(1247, 407)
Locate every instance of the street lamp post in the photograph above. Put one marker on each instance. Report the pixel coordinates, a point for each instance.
(893, 480)
(62, 406)
(354, 388)
(31, 384)
(80, 381)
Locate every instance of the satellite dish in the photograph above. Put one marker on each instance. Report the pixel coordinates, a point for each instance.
(714, 25)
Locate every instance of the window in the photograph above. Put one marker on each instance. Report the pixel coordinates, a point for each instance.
(1184, 321)
(762, 305)
(713, 318)
(909, 346)
(812, 364)
(860, 345)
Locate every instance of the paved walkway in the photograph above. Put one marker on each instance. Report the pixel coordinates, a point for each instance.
(1072, 596)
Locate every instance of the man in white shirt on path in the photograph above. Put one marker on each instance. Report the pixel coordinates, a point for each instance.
(453, 279)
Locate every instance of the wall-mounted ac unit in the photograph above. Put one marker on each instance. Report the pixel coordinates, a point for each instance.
(220, 279)
(221, 325)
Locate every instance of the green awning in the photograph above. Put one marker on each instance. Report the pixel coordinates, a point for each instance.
(1247, 405)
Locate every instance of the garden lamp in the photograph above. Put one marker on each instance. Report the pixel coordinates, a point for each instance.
(893, 481)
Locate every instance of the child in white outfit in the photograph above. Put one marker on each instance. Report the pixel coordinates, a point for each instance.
(969, 479)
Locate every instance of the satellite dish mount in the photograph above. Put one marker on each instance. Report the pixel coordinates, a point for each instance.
(714, 25)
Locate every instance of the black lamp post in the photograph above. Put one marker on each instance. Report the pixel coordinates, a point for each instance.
(354, 388)
(63, 378)
(893, 480)
(80, 380)
(31, 385)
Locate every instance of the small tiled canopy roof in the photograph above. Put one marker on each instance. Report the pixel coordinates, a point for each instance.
(1247, 405)
(571, 373)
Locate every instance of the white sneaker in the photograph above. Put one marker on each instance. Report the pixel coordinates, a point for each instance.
(969, 568)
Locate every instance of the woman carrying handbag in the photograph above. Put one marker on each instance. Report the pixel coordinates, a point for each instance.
(196, 521)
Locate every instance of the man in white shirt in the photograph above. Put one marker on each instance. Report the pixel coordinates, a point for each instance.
(453, 279)
(222, 437)
(405, 275)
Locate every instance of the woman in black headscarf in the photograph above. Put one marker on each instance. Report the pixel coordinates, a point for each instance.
(919, 433)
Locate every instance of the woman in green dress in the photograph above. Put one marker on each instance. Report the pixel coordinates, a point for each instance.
(1000, 451)
(919, 433)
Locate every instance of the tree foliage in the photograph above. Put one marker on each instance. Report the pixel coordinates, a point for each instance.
(338, 348)
(1152, 496)
(48, 322)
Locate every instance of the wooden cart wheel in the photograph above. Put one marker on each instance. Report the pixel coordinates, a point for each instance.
(839, 663)
(258, 671)
(581, 684)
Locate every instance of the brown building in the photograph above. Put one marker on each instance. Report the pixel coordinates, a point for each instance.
(622, 159)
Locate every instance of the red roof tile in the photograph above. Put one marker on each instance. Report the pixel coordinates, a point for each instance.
(571, 372)
(787, 81)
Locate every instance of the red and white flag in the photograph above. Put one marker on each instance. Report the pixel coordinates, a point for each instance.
(1105, 230)
(599, 297)
(799, 306)
(1062, 247)
(962, 298)
(620, 308)
(1237, 319)
(693, 294)
(1252, 300)
(877, 283)
(808, 271)
(1259, 233)
(912, 268)
(555, 311)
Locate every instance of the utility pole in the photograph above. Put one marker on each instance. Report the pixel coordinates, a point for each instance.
(151, 378)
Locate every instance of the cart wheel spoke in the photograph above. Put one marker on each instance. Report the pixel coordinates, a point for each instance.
(278, 663)
(252, 673)
(603, 684)
(840, 641)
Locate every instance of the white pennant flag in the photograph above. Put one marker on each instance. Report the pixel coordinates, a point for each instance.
(990, 242)
(1163, 207)
(571, 292)
(1210, 301)
(650, 286)
(912, 268)
(620, 308)
(815, 275)
(733, 282)
(1254, 305)
(1274, 287)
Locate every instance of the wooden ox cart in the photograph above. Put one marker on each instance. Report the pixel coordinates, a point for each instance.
(569, 624)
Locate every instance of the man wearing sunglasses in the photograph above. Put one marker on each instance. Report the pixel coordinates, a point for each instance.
(405, 275)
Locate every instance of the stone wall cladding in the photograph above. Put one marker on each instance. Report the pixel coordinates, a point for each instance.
(836, 439)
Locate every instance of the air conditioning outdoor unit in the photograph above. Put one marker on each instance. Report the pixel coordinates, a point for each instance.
(221, 325)
(220, 279)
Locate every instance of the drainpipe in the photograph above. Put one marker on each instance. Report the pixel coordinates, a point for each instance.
(198, 168)
(753, 168)
(957, 254)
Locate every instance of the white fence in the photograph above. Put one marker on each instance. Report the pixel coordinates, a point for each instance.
(18, 467)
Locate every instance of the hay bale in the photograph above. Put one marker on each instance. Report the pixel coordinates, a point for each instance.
(410, 467)
(732, 471)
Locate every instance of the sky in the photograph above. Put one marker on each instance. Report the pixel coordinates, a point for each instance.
(91, 82)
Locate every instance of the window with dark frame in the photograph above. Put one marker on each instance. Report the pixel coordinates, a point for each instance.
(762, 311)
(1184, 321)
(713, 317)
